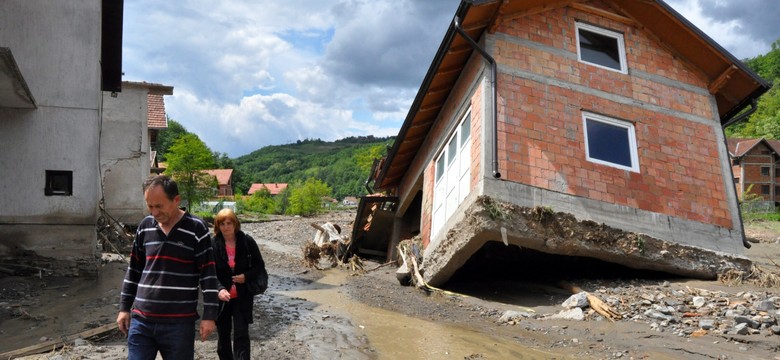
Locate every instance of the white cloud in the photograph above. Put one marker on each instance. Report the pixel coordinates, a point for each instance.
(247, 74)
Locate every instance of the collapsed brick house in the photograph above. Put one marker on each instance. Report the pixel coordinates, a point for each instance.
(574, 128)
(756, 167)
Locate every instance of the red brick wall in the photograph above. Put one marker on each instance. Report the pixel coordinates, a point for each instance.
(750, 166)
(540, 129)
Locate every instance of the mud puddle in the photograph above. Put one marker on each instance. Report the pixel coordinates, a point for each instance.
(358, 331)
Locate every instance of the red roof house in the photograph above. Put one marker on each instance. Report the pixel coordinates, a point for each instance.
(755, 164)
(274, 188)
(224, 181)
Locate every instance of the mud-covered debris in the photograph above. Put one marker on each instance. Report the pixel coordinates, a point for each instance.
(311, 255)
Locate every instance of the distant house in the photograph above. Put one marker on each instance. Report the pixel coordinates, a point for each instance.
(130, 123)
(349, 201)
(224, 181)
(328, 202)
(610, 113)
(756, 167)
(274, 188)
(56, 60)
(157, 121)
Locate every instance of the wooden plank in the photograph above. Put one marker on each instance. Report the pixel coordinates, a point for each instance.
(52, 345)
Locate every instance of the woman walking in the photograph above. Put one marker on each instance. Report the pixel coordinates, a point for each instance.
(238, 261)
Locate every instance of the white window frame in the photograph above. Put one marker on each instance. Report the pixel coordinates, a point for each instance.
(630, 133)
(609, 33)
(452, 181)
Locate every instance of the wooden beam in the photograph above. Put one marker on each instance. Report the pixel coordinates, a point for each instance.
(459, 49)
(56, 344)
(536, 10)
(430, 108)
(439, 89)
(603, 13)
(721, 80)
(421, 124)
(498, 17)
(449, 70)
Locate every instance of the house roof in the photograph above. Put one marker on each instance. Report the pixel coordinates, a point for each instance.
(223, 175)
(155, 112)
(739, 147)
(733, 84)
(274, 189)
(155, 105)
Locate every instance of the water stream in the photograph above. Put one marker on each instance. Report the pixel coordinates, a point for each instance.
(392, 335)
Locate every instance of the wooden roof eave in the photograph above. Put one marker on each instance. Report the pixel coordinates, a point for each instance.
(383, 179)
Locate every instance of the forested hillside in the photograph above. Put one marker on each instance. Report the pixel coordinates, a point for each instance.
(343, 165)
(765, 122)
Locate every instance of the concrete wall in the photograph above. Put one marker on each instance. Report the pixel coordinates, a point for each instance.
(124, 154)
(56, 45)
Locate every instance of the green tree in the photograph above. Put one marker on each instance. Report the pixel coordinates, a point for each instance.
(306, 199)
(167, 137)
(187, 157)
(765, 122)
(261, 202)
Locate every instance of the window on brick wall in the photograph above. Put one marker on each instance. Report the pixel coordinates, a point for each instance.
(610, 142)
(736, 180)
(452, 181)
(777, 191)
(765, 171)
(601, 47)
(764, 189)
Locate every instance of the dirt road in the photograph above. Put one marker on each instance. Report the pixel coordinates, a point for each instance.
(334, 313)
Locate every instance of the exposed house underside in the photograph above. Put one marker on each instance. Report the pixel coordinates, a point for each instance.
(543, 230)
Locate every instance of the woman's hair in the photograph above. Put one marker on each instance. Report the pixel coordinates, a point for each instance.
(223, 215)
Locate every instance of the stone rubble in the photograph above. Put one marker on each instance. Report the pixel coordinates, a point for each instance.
(688, 312)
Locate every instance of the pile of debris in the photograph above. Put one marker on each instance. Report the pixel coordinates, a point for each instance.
(328, 242)
(684, 312)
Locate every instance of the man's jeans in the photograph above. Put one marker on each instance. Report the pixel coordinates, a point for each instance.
(174, 341)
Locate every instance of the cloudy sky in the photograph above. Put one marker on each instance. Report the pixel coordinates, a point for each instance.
(247, 73)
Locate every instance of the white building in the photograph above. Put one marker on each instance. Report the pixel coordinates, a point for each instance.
(130, 119)
(51, 84)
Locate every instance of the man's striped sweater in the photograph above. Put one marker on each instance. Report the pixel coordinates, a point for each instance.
(161, 283)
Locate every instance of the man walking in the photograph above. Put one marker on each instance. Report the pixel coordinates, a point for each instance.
(171, 258)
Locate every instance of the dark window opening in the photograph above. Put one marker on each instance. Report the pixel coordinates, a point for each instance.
(764, 189)
(600, 47)
(764, 171)
(59, 182)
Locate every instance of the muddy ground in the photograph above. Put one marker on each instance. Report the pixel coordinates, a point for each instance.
(486, 313)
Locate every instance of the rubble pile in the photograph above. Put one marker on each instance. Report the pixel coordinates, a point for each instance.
(684, 312)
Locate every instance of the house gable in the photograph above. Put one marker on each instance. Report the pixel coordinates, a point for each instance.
(731, 82)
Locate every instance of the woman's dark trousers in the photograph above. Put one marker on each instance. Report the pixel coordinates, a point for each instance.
(232, 319)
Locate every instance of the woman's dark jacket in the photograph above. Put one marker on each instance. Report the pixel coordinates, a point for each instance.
(247, 253)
